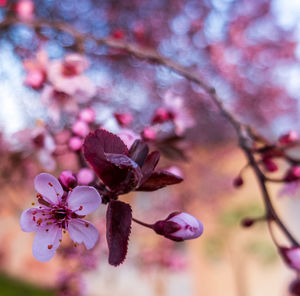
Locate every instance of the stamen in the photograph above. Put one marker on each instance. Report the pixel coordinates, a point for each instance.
(39, 195)
(33, 218)
(64, 232)
(80, 208)
(60, 240)
(39, 221)
(57, 194)
(34, 212)
(50, 184)
(86, 224)
(50, 247)
(47, 230)
(70, 189)
(49, 223)
(75, 245)
(33, 203)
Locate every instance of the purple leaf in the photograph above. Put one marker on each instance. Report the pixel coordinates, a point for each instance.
(118, 226)
(97, 146)
(150, 164)
(159, 179)
(139, 151)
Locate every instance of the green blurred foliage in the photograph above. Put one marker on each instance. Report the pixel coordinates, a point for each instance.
(13, 287)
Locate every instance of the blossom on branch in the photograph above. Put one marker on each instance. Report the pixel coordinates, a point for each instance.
(59, 211)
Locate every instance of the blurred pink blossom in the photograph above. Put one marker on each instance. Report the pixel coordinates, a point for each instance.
(25, 10)
(85, 176)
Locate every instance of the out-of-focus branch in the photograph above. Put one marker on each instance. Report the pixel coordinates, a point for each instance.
(244, 132)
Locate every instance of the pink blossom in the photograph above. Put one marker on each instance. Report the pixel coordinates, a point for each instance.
(59, 211)
(80, 128)
(25, 10)
(128, 136)
(178, 113)
(66, 76)
(3, 3)
(37, 140)
(58, 101)
(75, 143)
(149, 133)
(124, 119)
(85, 176)
(179, 226)
(87, 114)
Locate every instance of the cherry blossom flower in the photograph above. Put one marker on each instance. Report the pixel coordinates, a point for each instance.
(58, 211)
(179, 226)
(175, 110)
(85, 176)
(67, 76)
(291, 256)
(37, 140)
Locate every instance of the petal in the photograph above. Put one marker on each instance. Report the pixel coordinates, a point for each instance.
(82, 231)
(45, 243)
(49, 187)
(84, 200)
(26, 221)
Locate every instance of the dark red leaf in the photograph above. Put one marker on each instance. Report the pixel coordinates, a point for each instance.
(118, 226)
(96, 147)
(150, 164)
(138, 152)
(159, 179)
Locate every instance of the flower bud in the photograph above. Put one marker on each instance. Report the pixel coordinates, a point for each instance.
(247, 222)
(238, 182)
(179, 226)
(291, 256)
(85, 176)
(124, 119)
(149, 133)
(80, 128)
(25, 10)
(67, 179)
(288, 138)
(270, 165)
(87, 115)
(161, 115)
(293, 174)
(75, 143)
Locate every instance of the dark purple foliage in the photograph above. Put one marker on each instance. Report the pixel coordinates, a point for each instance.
(118, 226)
(121, 170)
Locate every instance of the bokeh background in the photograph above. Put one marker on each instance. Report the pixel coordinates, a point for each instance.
(248, 50)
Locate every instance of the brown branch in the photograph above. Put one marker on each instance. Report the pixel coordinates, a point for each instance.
(243, 131)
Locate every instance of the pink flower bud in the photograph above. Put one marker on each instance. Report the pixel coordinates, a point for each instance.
(291, 257)
(35, 79)
(67, 179)
(288, 138)
(25, 10)
(124, 119)
(88, 115)
(238, 182)
(85, 176)
(270, 165)
(149, 133)
(161, 115)
(80, 128)
(179, 226)
(293, 174)
(75, 143)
